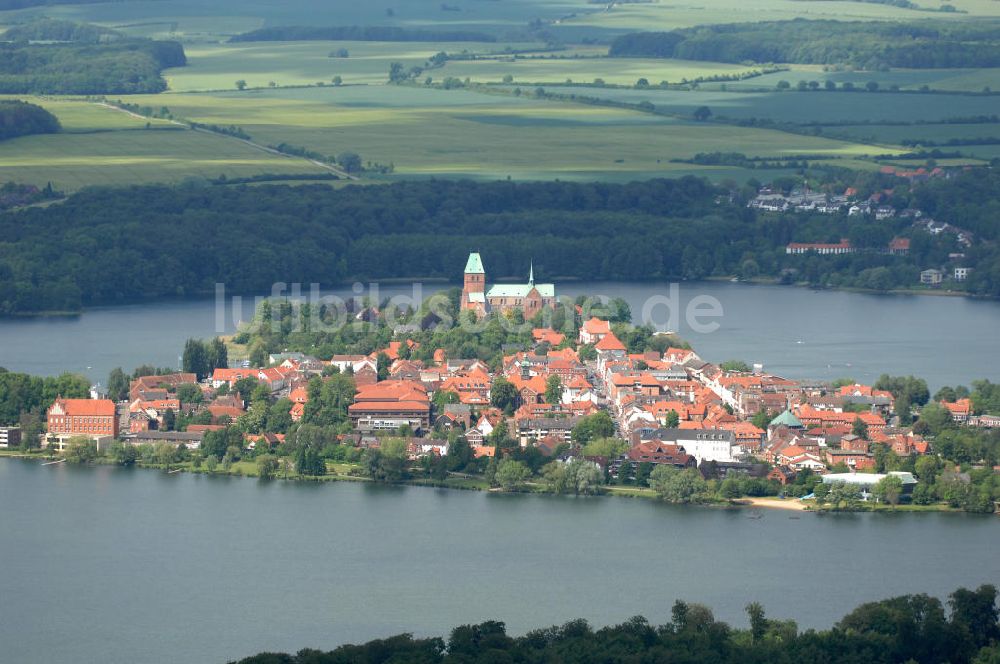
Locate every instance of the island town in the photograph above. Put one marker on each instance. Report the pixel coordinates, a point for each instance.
(589, 405)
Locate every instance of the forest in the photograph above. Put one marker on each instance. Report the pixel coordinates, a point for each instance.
(130, 66)
(867, 45)
(360, 33)
(908, 628)
(22, 4)
(47, 29)
(108, 245)
(19, 118)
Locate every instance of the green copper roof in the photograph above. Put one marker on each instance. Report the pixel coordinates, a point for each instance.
(788, 419)
(475, 264)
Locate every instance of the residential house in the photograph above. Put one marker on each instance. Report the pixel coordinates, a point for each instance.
(960, 410)
(931, 277)
(594, 330)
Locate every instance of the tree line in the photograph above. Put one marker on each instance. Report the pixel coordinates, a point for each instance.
(909, 628)
(867, 45)
(19, 118)
(360, 33)
(108, 245)
(128, 66)
(48, 29)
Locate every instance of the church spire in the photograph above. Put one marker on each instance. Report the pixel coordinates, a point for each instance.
(531, 273)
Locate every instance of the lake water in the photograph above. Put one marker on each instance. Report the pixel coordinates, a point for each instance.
(795, 332)
(121, 566)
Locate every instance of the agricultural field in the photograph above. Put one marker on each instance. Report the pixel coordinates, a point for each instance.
(948, 80)
(103, 146)
(425, 131)
(939, 134)
(219, 66)
(669, 16)
(559, 69)
(804, 107)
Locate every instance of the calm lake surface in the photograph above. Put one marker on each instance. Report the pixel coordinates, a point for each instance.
(794, 332)
(117, 565)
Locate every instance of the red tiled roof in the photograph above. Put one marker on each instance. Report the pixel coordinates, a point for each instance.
(87, 407)
(597, 326)
(609, 342)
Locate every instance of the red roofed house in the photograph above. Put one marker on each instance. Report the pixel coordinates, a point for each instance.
(223, 376)
(656, 453)
(549, 336)
(899, 246)
(609, 349)
(960, 410)
(94, 418)
(594, 330)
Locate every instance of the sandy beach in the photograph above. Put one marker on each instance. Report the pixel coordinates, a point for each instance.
(775, 503)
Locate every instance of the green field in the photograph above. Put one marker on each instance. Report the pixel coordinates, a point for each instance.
(939, 133)
(951, 80)
(804, 107)
(103, 146)
(429, 131)
(219, 66)
(569, 20)
(615, 71)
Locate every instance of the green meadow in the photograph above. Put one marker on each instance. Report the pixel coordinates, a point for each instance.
(803, 107)
(559, 69)
(103, 146)
(260, 64)
(424, 131)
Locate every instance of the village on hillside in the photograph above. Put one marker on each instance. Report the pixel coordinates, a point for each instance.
(881, 205)
(669, 408)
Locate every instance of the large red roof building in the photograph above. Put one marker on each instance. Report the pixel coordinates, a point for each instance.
(83, 417)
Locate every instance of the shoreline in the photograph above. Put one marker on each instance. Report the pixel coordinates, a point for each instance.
(758, 281)
(462, 483)
(785, 504)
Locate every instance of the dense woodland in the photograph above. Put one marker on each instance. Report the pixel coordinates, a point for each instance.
(47, 29)
(22, 4)
(909, 628)
(19, 118)
(360, 33)
(108, 245)
(869, 45)
(121, 67)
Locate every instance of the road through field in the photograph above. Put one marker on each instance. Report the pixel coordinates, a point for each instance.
(322, 164)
